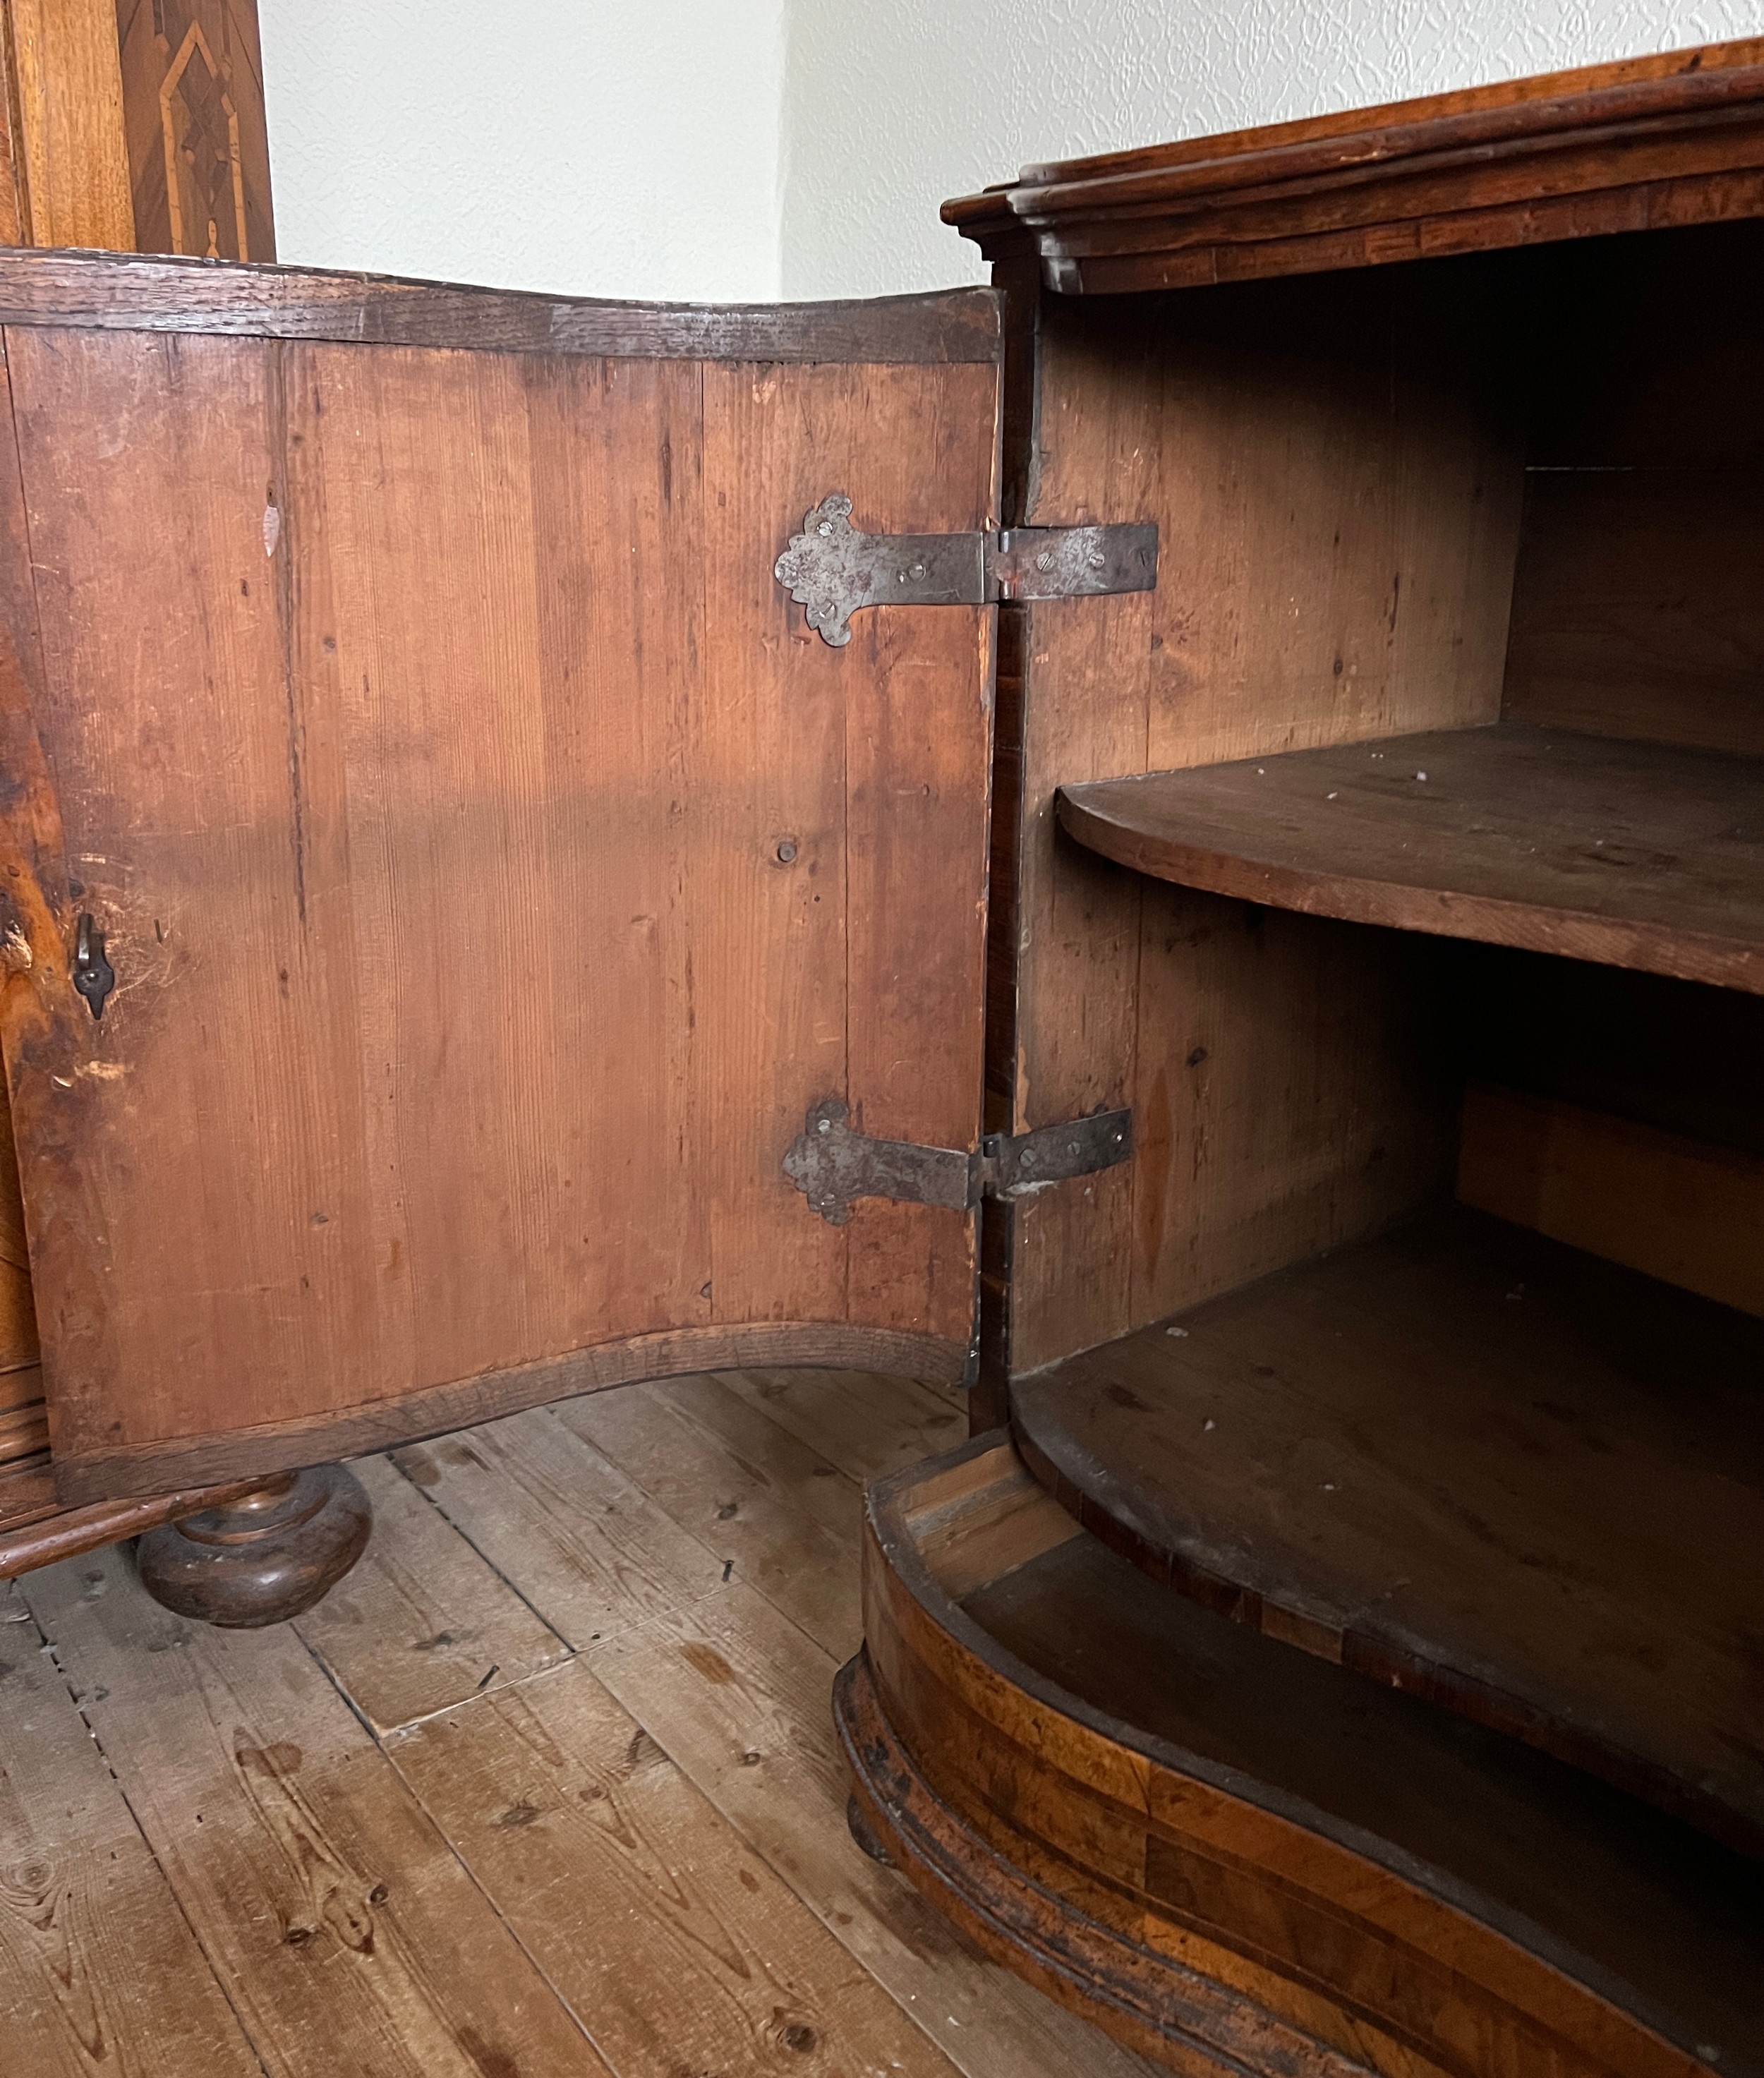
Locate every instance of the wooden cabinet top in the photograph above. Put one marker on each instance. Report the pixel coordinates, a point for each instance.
(1634, 146)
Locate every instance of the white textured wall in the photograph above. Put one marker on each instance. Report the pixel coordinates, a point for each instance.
(739, 149)
(892, 105)
(589, 146)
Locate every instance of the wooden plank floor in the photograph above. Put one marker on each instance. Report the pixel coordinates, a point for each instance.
(548, 1789)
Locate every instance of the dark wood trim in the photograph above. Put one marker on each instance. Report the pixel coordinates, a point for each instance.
(69, 1531)
(253, 1454)
(26, 1492)
(1314, 1918)
(1145, 2000)
(138, 293)
(1675, 138)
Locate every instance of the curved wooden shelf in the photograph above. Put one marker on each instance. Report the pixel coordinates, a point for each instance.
(1234, 1857)
(1634, 855)
(1467, 1462)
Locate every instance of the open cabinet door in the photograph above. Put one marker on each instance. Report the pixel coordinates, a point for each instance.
(494, 865)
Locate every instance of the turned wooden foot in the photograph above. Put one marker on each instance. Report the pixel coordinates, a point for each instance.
(263, 1558)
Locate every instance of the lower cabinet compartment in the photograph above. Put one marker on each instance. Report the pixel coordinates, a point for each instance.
(1234, 1854)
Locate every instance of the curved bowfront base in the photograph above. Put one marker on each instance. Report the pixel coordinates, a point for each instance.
(1235, 1857)
(1142, 1999)
(263, 1558)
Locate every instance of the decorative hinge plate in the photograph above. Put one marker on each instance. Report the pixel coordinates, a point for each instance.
(833, 571)
(833, 1166)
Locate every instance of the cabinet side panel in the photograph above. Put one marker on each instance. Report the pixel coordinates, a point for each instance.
(1335, 468)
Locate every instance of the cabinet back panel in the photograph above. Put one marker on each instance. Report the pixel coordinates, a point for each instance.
(1637, 608)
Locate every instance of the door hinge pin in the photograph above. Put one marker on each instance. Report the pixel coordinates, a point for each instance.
(833, 1167)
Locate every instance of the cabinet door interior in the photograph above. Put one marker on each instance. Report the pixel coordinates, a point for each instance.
(493, 866)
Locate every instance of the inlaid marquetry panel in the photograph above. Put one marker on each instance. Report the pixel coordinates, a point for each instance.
(198, 150)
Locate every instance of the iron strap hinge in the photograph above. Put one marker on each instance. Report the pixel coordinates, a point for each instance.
(833, 1166)
(833, 571)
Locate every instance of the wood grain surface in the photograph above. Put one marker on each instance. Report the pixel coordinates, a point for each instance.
(349, 1937)
(1648, 857)
(617, 1875)
(1672, 1207)
(1467, 1462)
(1407, 1890)
(99, 1972)
(675, 1862)
(1336, 473)
(562, 905)
(91, 291)
(420, 1624)
(1650, 141)
(70, 151)
(729, 1682)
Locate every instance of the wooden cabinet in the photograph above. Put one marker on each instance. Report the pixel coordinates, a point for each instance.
(551, 843)
(1363, 1614)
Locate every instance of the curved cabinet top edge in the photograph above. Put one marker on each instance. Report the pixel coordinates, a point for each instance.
(129, 292)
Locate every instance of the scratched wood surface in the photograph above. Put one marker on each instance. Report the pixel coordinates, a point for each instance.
(1642, 856)
(481, 839)
(1469, 1461)
(628, 1844)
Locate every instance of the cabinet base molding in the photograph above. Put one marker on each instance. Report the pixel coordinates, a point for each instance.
(1232, 1856)
(264, 1557)
(1141, 1998)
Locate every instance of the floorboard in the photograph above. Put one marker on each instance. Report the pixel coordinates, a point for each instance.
(738, 1694)
(622, 1881)
(422, 1623)
(100, 1976)
(866, 1424)
(747, 1488)
(353, 1943)
(550, 1785)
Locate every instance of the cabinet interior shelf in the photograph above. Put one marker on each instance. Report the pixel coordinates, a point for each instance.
(1471, 1463)
(1635, 855)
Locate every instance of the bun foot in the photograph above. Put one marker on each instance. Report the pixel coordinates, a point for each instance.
(263, 1558)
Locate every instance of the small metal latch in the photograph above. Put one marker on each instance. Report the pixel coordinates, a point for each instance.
(93, 977)
(833, 571)
(833, 1166)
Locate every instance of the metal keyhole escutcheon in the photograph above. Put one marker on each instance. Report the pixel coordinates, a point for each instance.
(94, 976)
